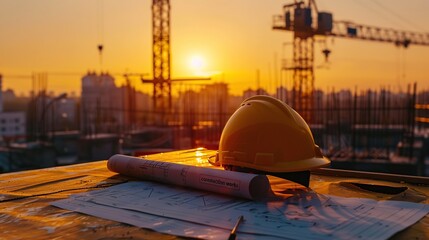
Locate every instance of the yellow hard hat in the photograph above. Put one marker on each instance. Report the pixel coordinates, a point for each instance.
(268, 135)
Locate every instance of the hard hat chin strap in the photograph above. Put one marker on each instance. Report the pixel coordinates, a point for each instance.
(301, 177)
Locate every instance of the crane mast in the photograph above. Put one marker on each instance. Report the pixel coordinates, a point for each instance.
(161, 54)
(298, 18)
(161, 57)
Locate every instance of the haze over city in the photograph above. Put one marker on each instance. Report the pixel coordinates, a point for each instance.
(228, 40)
(214, 119)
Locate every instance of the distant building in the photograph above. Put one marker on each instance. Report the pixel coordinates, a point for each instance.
(65, 115)
(106, 108)
(250, 92)
(143, 104)
(209, 106)
(100, 101)
(215, 103)
(12, 124)
(8, 95)
(283, 94)
(203, 113)
(234, 103)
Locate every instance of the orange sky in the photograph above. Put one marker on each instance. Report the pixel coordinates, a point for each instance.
(233, 38)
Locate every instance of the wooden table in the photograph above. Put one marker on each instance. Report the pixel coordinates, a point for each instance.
(25, 212)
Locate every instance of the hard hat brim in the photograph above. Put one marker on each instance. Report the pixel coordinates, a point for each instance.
(301, 165)
(287, 166)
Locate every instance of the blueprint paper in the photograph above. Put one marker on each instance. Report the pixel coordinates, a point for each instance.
(157, 223)
(305, 216)
(238, 184)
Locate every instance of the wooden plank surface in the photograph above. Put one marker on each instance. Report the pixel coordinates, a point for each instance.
(25, 212)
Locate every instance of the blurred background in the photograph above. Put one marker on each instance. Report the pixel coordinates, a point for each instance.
(83, 80)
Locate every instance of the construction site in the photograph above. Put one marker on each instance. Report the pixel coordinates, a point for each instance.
(377, 130)
(325, 142)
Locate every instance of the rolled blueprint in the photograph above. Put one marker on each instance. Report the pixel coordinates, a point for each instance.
(237, 184)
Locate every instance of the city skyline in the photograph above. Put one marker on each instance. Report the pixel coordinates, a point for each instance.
(233, 40)
(121, 119)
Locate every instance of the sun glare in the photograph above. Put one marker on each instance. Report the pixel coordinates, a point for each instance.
(196, 63)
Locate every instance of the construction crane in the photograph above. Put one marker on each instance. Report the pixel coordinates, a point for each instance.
(298, 18)
(161, 62)
(161, 53)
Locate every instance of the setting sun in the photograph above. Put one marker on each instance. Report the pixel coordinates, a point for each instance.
(196, 63)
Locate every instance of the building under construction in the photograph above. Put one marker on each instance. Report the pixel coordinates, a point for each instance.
(354, 127)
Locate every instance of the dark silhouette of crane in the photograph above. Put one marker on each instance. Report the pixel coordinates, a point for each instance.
(161, 53)
(161, 65)
(298, 17)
